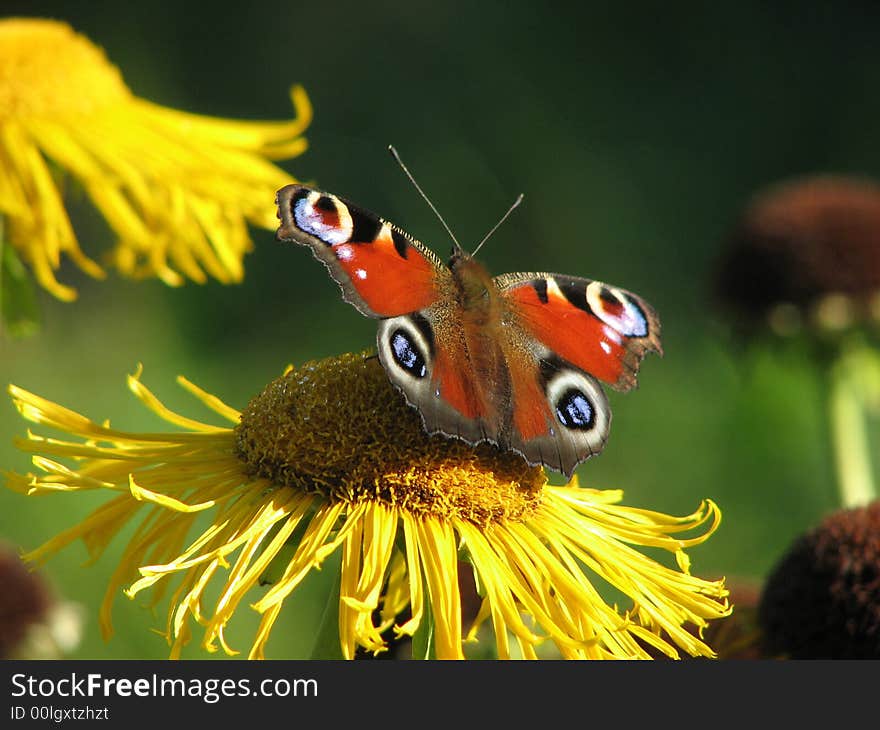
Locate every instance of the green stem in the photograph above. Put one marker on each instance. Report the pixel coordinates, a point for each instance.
(852, 455)
(327, 644)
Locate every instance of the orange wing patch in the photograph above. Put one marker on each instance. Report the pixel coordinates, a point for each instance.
(457, 391)
(531, 413)
(572, 333)
(390, 282)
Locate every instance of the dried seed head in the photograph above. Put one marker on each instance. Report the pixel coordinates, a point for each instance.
(805, 251)
(822, 601)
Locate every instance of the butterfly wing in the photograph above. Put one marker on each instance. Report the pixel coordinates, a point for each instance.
(564, 334)
(603, 330)
(382, 271)
(388, 275)
(559, 415)
(425, 355)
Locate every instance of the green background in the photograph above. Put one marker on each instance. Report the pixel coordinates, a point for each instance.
(636, 135)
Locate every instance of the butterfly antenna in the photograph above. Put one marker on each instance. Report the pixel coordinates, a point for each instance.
(422, 193)
(498, 224)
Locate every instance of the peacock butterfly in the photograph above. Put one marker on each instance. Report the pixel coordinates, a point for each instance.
(512, 359)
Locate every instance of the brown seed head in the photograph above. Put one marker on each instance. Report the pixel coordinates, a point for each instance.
(822, 601)
(809, 248)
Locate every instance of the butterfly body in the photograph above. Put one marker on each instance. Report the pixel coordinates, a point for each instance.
(512, 359)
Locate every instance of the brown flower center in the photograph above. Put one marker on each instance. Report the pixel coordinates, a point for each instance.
(339, 427)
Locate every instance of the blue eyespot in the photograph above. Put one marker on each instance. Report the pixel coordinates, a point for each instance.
(407, 354)
(575, 411)
(323, 219)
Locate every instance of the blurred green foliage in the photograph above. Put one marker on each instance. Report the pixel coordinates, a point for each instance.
(636, 134)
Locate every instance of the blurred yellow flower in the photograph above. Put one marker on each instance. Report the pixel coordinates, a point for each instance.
(330, 459)
(177, 189)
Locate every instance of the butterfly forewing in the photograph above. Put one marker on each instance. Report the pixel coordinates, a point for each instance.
(601, 329)
(382, 271)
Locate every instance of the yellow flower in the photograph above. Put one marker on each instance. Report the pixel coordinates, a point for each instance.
(177, 189)
(329, 459)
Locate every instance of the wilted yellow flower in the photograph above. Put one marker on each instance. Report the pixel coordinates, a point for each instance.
(177, 189)
(330, 459)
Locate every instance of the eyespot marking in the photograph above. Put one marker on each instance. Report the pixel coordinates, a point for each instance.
(425, 330)
(406, 348)
(326, 203)
(574, 410)
(322, 216)
(406, 354)
(617, 309)
(575, 398)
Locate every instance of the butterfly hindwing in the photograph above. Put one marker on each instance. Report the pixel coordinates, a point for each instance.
(382, 271)
(429, 364)
(560, 413)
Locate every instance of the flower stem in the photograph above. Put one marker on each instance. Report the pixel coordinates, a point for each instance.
(850, 377)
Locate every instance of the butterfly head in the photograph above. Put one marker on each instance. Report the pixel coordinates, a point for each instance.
(456, 255)
(473, 282)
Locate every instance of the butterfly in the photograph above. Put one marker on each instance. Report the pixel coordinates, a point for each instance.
(514, 359)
